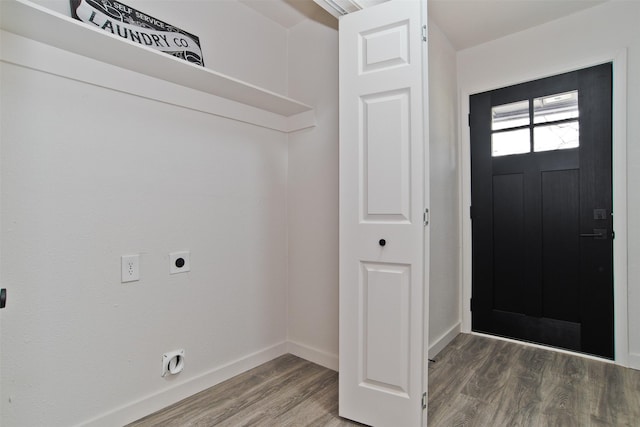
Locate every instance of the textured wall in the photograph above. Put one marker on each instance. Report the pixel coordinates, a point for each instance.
(313, 195)
(444, 280)
(89, 174)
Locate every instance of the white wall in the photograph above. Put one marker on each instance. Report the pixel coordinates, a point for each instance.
(586, 38)
(89, 174)
(313, 196)
(235, 39)
(444, 280)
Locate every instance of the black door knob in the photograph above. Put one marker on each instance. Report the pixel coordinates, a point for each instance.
(382, 242)
(3, 298)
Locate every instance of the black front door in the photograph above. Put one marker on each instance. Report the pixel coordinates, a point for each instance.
(542, 220)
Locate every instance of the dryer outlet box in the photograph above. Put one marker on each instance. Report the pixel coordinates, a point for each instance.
(172, 362)
(179, 262)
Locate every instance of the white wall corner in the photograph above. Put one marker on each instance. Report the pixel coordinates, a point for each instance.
(157, 401)
(634, 361)
(322, 358)
(442, 341)
(300, 121)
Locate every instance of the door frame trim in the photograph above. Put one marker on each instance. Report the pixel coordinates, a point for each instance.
(619, 171)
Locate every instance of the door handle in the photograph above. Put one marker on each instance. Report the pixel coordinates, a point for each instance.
(598, 233)
(3, 297)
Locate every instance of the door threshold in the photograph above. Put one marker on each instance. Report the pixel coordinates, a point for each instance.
(546, 347)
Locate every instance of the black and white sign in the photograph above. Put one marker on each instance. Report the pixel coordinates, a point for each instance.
(131, 24)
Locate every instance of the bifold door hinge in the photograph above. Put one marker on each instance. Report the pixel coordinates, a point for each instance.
(425, 217)
(424, 400)
(424, 33)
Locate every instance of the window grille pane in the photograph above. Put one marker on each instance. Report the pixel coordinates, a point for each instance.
(510, 115)
(510, 142)
(561, 106)
(560, 136)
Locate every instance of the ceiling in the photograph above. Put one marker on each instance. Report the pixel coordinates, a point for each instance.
(287, 13)
(466, 23)
(469, 23)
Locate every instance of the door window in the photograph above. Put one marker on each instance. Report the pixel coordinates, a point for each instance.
(554, 126)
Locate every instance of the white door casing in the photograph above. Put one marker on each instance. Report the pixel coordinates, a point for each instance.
(619, 59)
(383, 193)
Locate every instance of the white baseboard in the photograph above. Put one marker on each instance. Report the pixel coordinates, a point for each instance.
(634, 361)
(545, 347)
(443, 340)
(322, 358)
(150, 404)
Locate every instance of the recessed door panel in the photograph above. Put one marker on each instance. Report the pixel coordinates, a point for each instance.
(561, 244)
(386, 156)
(384, 47)
(508, 237)
(384, 356)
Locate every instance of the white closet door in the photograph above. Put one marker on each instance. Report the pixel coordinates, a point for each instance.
(383, 310)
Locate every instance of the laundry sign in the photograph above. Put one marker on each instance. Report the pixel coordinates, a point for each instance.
(131, 24)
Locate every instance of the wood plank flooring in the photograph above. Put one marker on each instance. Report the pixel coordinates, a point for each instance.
(478, 381)
(287, 391)
(475, 381)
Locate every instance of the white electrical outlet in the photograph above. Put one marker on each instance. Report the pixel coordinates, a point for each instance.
(130, 268)
(179, 262)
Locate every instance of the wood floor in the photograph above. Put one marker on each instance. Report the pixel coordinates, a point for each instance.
(478, 381)
(475, 381)
(287, 391)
